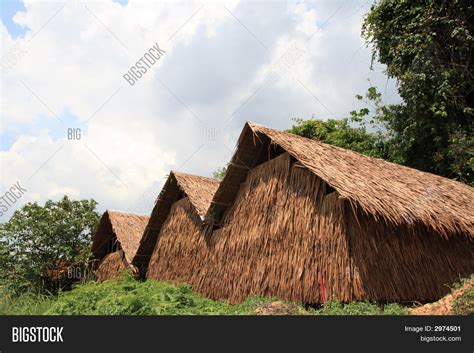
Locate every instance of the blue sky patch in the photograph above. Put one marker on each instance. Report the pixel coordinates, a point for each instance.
(121, 2)
(56, 129)
(8, 9)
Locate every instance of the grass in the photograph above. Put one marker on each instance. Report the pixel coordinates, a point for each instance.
(359, 308)
(126, 296)
(23, 304)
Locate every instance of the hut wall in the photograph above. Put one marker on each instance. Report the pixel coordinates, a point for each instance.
(180, 247)
(405, 263)
(283, 236)
(111, 266)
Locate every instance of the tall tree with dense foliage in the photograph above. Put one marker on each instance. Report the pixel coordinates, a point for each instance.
(364, 131)
(427, 46)
(340, 133)
(37, 239)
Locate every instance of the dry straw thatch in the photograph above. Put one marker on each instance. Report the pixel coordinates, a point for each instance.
(284, 228)
(111, 266)
(179, 209)
(116, 241)
(180, 247)
(303, 220)
(385, 190)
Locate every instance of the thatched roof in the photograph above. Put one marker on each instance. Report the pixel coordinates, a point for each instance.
(396, 193)
(127, 227)
(199, 190)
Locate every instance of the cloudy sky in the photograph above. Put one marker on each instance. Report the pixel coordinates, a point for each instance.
(224, 63)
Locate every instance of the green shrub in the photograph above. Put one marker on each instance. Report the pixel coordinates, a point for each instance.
(126, 296)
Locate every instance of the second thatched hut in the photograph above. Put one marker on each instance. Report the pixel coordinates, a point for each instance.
(173, 246)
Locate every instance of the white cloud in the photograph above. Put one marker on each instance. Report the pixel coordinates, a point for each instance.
(217, 63)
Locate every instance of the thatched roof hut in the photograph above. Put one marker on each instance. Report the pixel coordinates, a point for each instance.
(303, 220)
(116, 242)
(176, 222)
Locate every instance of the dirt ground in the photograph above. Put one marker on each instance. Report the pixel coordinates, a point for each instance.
(444, 306)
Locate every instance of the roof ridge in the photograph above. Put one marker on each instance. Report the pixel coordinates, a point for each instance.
(108, 210)
(174, 172)
(355, 153)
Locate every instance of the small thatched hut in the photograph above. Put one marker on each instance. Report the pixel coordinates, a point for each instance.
(173, 242)
(116, 241)
(302, 220)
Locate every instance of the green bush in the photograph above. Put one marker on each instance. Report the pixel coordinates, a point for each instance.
(126, 296)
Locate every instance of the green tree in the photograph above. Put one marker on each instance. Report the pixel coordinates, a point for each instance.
(219, 174)
(39, 238)
(427, 46)
(378, 119)
(339, 132)
(7, 262)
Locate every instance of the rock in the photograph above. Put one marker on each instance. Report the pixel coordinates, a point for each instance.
(277, 308)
